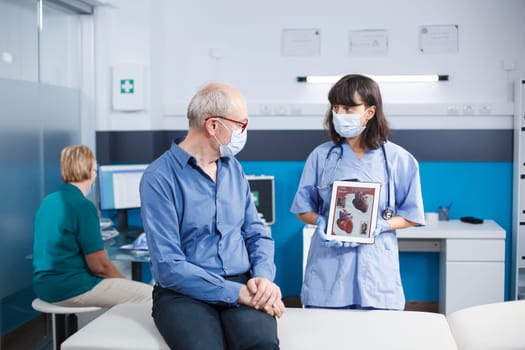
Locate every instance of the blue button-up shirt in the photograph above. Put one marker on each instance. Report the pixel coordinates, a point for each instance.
(200, 231)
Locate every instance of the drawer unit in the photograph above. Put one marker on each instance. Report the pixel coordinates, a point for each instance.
(475, 250)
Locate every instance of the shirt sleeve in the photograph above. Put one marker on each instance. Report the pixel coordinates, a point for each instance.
(89, 235)
(409, 199)
(169, 265)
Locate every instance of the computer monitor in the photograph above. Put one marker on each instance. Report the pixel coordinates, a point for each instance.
(118, 187)
(263, 192)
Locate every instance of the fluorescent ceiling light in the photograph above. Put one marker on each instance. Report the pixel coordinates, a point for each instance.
(331, 79)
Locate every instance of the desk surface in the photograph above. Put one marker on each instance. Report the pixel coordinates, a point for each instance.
(115, 253)
(454, 229)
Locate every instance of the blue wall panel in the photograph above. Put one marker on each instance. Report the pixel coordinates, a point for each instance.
(287, 230)
(472, 170)
(420, 276)
(470, 187)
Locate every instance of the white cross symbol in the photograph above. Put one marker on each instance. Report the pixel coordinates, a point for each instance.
(127, 86)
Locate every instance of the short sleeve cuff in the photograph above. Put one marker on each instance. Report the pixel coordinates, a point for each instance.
(420, 220)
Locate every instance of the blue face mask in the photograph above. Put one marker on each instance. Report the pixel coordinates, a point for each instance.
(237, 142)
(348, 125)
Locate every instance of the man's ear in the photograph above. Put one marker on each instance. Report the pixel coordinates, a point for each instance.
(211, 126)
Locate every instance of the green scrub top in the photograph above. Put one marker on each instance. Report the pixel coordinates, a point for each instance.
(67, 228)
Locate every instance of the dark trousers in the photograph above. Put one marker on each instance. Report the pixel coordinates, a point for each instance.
(186, 323)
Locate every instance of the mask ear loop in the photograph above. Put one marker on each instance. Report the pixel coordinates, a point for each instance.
(371, 116)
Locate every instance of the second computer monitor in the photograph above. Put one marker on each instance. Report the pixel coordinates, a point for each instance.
(263, 193)
(119, 186)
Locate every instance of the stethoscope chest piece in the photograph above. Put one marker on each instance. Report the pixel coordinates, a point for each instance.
(387, 214)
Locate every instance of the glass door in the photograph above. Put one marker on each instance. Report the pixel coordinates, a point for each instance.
(40, 77)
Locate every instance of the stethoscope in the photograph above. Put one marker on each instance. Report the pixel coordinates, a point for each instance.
(388, 212)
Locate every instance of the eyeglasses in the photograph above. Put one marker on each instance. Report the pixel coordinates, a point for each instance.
(243, 125)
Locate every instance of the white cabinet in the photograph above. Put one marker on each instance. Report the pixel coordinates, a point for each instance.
(472, 273)
(466, 285)
(518, 218)
(472, 262)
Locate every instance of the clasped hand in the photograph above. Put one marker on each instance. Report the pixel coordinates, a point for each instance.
(262, 294)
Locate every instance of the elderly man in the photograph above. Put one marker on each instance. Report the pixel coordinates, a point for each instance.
(211, 255)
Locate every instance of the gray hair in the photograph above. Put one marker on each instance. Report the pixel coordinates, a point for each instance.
(211, 100)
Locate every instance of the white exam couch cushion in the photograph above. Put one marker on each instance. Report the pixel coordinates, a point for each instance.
(304, 329)
(124, 326)
(490, 326)
(130, 326)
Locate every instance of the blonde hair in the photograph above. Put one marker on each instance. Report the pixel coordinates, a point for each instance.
(76, 163)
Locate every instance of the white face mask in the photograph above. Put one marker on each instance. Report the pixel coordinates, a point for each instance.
(348, 125)
(237, 142)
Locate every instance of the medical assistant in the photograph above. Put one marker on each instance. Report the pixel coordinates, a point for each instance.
(66, 229)
(199, 231)
(367, 275)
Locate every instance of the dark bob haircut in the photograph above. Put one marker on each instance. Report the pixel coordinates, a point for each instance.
(353, 90)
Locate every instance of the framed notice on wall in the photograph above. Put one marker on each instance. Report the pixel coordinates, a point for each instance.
(438, 39)
(373, 42)
(353, 211)
(301, 42)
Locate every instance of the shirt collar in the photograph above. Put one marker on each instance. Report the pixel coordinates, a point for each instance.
(182, 157)
(66, 186)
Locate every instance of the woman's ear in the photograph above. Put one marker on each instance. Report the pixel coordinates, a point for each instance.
(371, 112)
(92, 175)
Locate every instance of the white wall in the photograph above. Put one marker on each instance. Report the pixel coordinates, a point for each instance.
(173, 39)
(122, 35)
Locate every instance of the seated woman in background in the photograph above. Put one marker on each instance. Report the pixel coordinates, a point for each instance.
(70, 265)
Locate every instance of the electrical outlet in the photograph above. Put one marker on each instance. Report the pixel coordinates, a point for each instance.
(485, 109)
(468, 109)
(280, 109)
(453, 109)
(265, 109)
(296, 110)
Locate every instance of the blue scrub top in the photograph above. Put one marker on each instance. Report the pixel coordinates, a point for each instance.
(367, 275)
